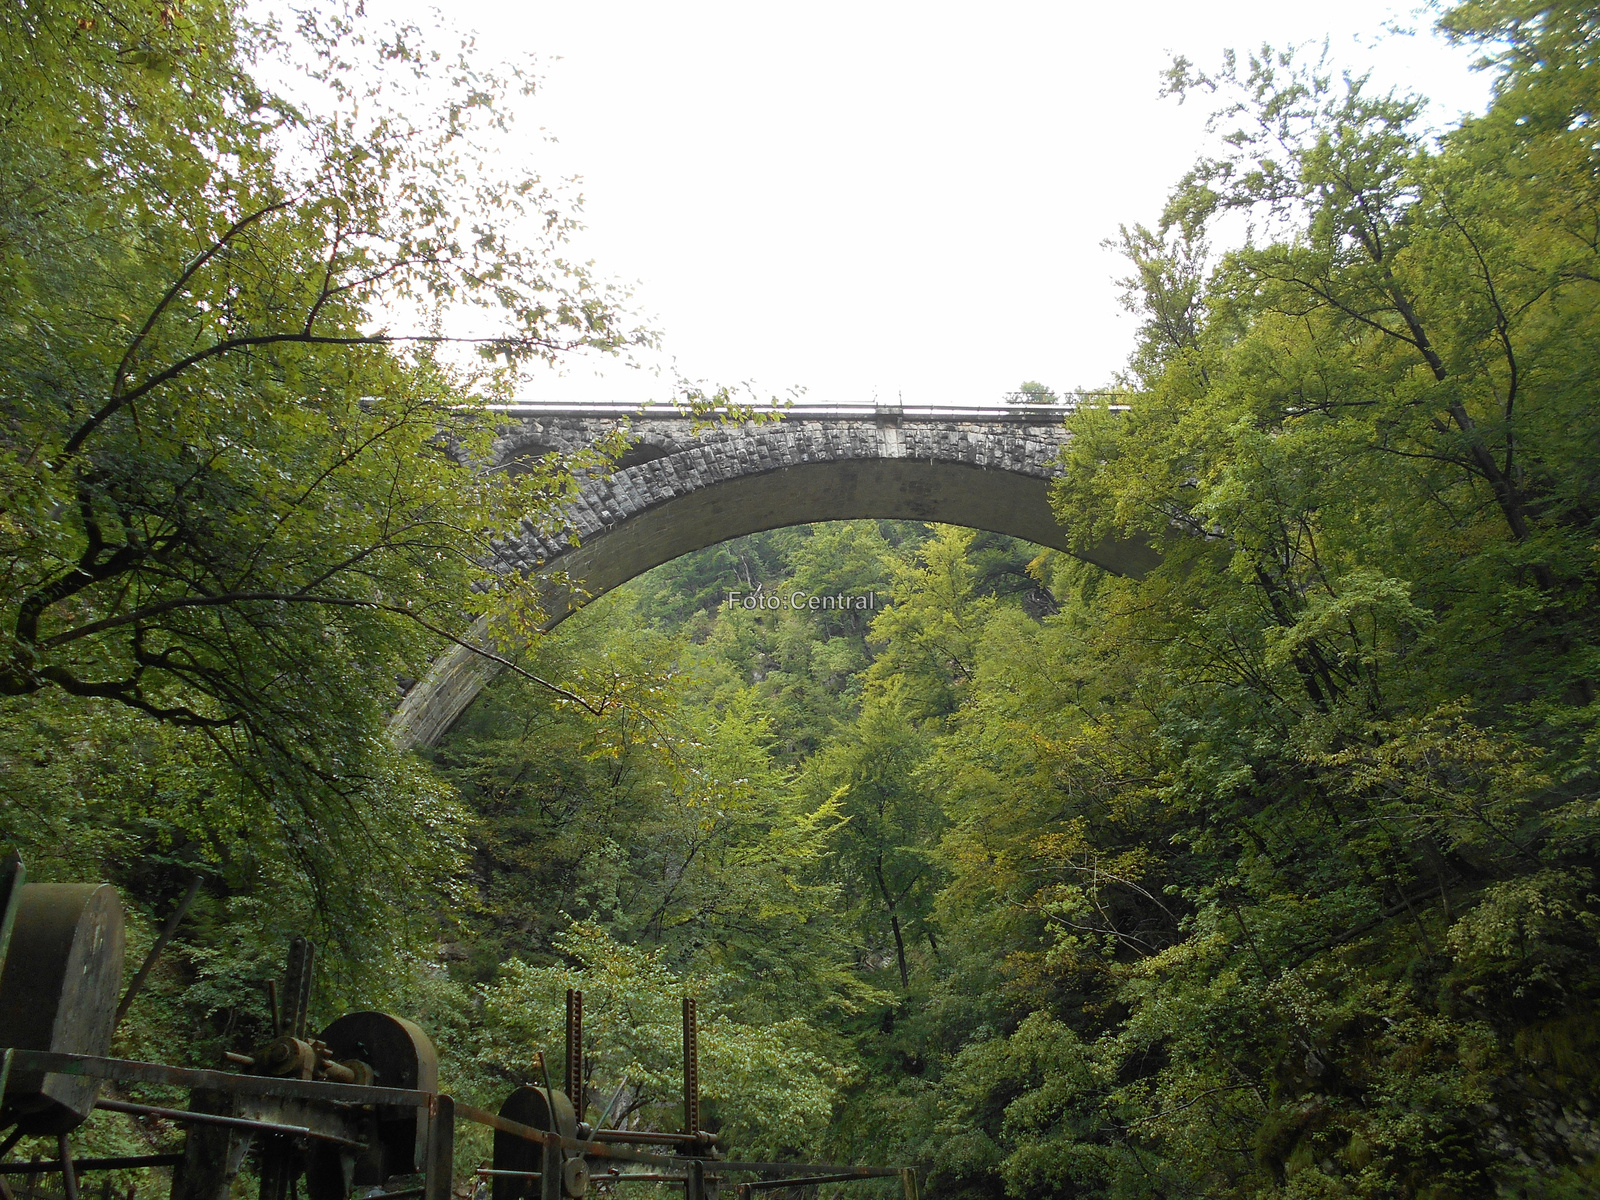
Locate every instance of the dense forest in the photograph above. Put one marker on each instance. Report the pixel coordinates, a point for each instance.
(1273, 873)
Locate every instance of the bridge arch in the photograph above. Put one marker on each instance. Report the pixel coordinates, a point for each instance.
(678, 490)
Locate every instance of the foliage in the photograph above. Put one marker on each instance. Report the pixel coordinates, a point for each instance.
(1272, 873)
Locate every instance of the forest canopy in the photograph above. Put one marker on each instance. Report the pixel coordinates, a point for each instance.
(1272, 873)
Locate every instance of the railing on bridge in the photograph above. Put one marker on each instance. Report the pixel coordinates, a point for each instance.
(1020, 413)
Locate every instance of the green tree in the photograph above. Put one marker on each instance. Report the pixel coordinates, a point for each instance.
(892, 823)
(240, 497)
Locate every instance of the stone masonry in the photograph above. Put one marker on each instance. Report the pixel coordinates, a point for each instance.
(678, 489)
(670, 459)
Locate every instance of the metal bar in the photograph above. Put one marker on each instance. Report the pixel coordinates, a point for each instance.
(611, 1109)
(761, 1185)
(641, 1177)
(600, 1150)
(167, 930)
(126, 1162)
(592, 1149)
(126, 1070)
(69, 1175)
(810, 1169)
(184, 1116)
(297, 986)
(509, 1174)
(641, 1137)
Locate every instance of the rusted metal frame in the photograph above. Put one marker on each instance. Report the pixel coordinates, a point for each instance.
(490, 1171)
(127, 1162)
(125, 1070)
(186, 1117)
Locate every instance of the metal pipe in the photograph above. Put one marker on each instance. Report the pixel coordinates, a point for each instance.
(810, 1169)
(642, 1137)
(508, 1174)
(187, 1117)
(611, 1109)
(167, 930)
(126, 1162)
(593, 1149)
(638, 1178)
(69, 1176)
(600, 1150)
(760, 1185)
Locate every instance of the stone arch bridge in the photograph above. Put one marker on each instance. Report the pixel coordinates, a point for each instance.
(678, 489)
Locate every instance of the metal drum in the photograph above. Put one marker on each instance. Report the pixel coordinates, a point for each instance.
(399, 1055)
(58, 992)
(534, 1171)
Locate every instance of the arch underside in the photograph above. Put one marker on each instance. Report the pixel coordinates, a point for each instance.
(952, 493)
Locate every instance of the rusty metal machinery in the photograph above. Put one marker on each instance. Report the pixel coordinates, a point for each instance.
(378, 1049)
(525, 1170)
(58, 992)
(353, 1111)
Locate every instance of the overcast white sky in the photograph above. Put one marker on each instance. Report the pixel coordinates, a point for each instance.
(889, 198)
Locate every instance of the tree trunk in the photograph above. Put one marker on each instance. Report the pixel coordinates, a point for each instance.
(900, 951)
(894, 922)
